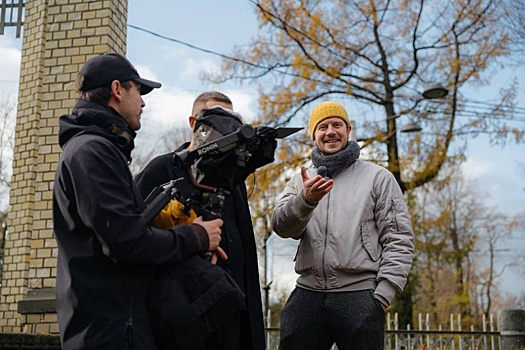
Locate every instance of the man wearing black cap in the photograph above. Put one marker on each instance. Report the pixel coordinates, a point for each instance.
(106, 251)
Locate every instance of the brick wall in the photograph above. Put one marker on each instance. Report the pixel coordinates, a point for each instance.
(59, 36)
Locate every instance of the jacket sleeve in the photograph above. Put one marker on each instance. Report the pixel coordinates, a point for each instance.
(156, 173)
(292, 213)
(101, 183)
(395, 236)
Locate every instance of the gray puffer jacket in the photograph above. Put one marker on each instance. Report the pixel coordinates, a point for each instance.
(359, 236)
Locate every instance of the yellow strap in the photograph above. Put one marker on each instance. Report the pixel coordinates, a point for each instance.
(173, 215)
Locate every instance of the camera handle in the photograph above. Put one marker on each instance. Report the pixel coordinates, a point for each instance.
(159, 198)
(162, 195)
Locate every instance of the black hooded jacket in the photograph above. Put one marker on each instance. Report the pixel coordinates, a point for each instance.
(106, 251)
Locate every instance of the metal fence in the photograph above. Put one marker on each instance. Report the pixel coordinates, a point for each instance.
(426, 336)
(452, 337)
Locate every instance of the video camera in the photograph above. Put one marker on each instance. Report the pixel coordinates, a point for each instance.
(226, 152)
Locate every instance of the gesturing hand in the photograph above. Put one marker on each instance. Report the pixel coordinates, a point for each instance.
(315, 188)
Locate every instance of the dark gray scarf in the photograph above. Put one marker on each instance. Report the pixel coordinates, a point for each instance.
(331, 164)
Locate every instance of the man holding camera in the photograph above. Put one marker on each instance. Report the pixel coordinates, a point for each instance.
(106, 250)
(356, 244)
(245, 330)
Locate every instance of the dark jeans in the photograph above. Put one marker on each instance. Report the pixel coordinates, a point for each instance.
(317, 320)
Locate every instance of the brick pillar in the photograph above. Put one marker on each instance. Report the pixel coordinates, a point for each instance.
(59, 36)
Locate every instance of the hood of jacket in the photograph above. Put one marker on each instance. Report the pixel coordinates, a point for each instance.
(92, 118)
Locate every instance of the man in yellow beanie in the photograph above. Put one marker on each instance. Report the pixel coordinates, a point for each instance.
(356, 247)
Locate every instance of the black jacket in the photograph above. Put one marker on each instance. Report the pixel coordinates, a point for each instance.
(106, 252)
(242, 263)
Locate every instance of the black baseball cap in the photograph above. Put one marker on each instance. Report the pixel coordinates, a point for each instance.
(101, 70)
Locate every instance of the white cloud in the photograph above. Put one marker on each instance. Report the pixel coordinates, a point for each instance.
(171, 106)
(9, 72)
(194, 68)
(474, 169)
(146, 72)
(168, 106)
(10, 67)
(244, 102)
(172, 53)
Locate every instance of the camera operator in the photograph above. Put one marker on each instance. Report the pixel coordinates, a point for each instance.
(245, 330)
(106, 250)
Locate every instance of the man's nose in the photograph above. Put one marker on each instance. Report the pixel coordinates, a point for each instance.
(330, 129)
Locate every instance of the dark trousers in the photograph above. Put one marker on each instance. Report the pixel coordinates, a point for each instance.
(233, 335)
(317, 320)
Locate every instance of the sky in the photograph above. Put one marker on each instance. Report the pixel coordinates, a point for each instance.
(219, 25)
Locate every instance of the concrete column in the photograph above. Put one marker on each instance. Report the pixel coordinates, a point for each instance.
(59, 36)
(511, 324)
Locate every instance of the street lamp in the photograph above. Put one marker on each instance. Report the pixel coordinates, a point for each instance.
(432, 91)
(412, 126)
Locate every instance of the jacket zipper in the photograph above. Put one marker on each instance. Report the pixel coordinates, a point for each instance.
(326, 240)
(129, 325)
(394, 210)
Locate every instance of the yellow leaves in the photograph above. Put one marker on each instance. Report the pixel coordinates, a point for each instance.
(519, 135)
(454, 65)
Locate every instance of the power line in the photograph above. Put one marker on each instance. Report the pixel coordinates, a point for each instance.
(487, 104)
(211, 52)
(476, 107)
(215, 53)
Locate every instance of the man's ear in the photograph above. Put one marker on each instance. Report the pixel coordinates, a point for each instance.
(191, 120)
(116, 90)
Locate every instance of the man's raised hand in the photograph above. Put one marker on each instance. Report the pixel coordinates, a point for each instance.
(315, 188)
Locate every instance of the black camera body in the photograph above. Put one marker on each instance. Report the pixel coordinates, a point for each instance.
(209, 172)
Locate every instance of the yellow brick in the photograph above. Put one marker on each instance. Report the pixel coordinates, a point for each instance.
(80, 24)
(89, 14)
(94, 23)
(53, 329)
(42, 328)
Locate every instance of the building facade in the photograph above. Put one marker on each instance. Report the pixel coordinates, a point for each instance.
(58, 37)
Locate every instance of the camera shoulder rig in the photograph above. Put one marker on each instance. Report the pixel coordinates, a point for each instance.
(209, 172)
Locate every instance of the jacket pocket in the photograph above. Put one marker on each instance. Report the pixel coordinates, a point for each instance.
(370, 239)
(396, 212)
(303, 259)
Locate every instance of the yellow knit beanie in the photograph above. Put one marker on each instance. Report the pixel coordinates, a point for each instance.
(324, 110)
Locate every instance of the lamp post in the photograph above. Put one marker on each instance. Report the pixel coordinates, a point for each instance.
(434, 91)
(268, 274)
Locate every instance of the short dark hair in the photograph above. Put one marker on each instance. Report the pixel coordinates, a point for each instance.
(98, 95)
(203, 98)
